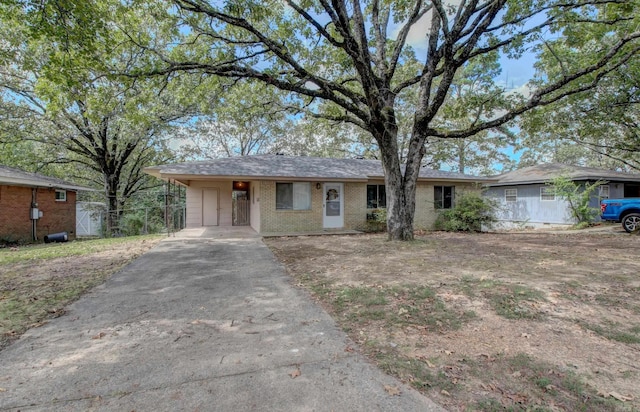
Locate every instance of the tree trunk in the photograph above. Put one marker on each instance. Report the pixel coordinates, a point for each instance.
(400, 187)
(113, 212)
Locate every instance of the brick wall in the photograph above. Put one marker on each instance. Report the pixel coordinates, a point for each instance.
(288, 221)
(15, 206)
(355, 208)
(426, 214)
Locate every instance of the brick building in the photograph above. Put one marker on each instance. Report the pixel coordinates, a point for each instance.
(288, 194)
(33, 206)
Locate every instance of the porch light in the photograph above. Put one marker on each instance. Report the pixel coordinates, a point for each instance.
(318, 185)
(240, 185)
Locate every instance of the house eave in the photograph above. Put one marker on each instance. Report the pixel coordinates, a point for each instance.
(192, 177)
(182, 178)
(575, 179)
(41, 184)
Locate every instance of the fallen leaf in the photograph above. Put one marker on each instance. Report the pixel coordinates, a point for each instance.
(392, 390)
(448, 352)
(619, 397)
(402, 311)
(445, 393)
(99, 335)
(295, 373)
(3, 390)
(349, 349)
(525, 335)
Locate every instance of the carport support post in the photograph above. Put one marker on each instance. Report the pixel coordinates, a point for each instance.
(166, 206)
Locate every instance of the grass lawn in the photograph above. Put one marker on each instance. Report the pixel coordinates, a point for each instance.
(37, 282)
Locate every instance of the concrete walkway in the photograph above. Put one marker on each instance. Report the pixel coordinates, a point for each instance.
(205, 321)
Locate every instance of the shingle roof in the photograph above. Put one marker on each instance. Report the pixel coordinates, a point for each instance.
(293, 167)
(544, 172)
(17, 177)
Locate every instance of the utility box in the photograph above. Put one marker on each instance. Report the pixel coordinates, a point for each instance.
(35, 213)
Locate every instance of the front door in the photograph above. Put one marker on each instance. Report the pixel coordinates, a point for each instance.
(333, 206)
(209, 207)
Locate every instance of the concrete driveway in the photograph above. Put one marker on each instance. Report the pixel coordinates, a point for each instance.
(205, 321)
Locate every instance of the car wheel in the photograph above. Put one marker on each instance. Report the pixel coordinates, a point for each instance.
(631, 222)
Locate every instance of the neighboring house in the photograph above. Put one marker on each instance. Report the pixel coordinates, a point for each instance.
(287, 194)
(526, 200)
(33, 206)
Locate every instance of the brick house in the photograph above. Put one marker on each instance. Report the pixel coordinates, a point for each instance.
(33, 206)
(287, 194)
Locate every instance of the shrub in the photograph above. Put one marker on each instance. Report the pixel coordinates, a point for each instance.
(578, 198)
(377, 220)
(470, 213)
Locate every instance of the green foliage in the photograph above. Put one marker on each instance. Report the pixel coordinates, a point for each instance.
(470, 213)
(84, 123)
(598, 127)
(377, 220)
(349, 63)
(578, 197)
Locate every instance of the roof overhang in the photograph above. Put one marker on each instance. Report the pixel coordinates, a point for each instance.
(575, 179)
(15, 181)
(189, 177)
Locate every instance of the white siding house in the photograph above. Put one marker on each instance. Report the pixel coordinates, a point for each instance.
(525, 198)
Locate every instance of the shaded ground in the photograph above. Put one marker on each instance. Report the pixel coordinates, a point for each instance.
(487, 321)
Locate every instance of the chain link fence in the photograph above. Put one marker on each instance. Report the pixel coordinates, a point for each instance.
(145, 220)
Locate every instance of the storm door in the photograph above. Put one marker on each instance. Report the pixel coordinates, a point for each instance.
(333, 206)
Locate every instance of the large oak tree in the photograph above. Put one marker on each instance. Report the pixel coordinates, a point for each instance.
(352, 61)
(349, 60)
(58, 102)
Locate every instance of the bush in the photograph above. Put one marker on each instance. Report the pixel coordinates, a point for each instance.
(470, 212)
(137, 223)
(377, 220)
(578, 198)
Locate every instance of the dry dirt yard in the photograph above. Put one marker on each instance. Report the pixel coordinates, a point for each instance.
(501, 321)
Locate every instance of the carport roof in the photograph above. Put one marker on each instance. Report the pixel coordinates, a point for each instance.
(17, 177)
(264, 167)
(545, 172)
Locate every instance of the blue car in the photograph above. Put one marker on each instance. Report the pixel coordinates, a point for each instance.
(625, 210)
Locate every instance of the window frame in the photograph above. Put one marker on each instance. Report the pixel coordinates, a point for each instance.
(63, 197)
(441, 205)
(550, 192)
(378, 198)
(600, 195)
(293, 196)
(513, 197)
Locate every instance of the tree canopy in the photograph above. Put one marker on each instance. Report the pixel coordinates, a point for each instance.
(411, 74)
(60, 106)
(350, 61)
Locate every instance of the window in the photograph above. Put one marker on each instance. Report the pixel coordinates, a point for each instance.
(376, 197)
(547, 193)
(61, 195)
(604, 191)
(443, 197)
(293, 196)
(511, 195)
